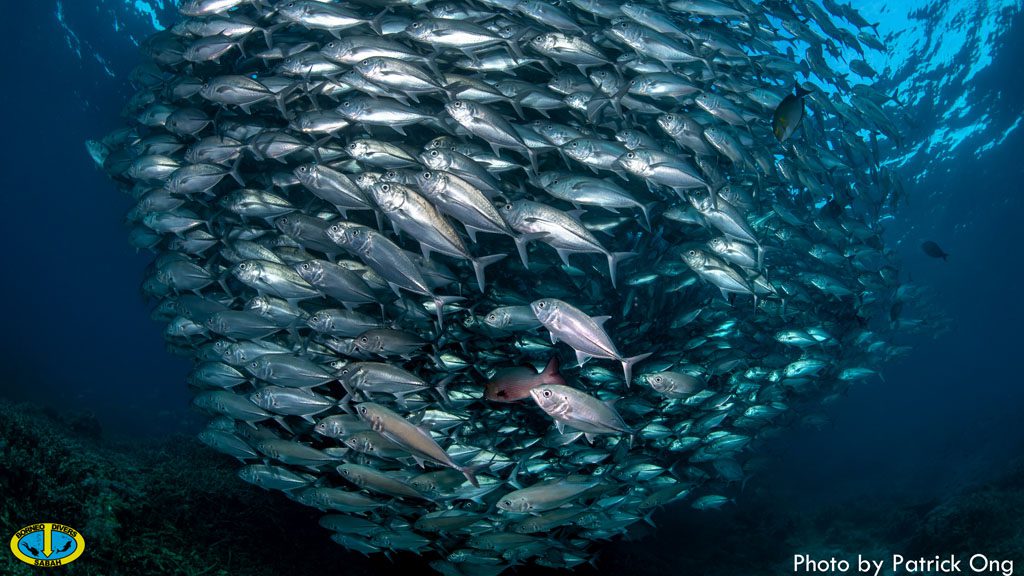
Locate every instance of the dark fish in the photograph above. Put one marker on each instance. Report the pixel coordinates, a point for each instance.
(932, 249)
(514, 384)
(789, 113)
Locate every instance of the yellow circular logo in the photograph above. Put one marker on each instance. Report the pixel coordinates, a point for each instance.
(47, 544)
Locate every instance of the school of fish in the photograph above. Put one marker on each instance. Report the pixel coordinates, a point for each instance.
(493, 281)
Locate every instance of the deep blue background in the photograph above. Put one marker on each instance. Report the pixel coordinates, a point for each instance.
(78, 335)
(77, 332)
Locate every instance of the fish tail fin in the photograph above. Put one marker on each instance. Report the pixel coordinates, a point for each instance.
(627, 365)
(442, 387)
(517, 104)
(375, 22)
(613, 261)
(707, 62)
(801, 91)
(439, 303)
(281, 98)
(532, 155)
(521, 245)
(268, 35)
(625, 86)
(480, 263)
(513, 46)
(896, 97)
(645, 209)
(235, 173)
(595, 106)
(470, 474)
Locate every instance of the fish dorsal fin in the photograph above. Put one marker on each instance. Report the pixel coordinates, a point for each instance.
(552, 366)
(600, 320)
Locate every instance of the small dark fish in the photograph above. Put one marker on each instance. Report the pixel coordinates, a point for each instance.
(789, 113)
(514, 384)
(932, 249)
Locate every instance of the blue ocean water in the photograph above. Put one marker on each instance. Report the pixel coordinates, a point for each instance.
(78, 335)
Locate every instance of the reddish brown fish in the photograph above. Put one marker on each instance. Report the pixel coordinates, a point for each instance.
(514, 384)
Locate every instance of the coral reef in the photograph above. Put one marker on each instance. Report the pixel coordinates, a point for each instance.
(174, 507)
(168, 507)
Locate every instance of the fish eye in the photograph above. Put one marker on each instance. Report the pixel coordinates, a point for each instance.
(658, 379)
(508, 207)
(362, 409)
(426, 175)
(547, 393)
(670, 117)
(692, 252)
(459, 104)
(507, 503)
(575, 144)
(630, 155)
(385, 187)
(416, 25)
(433, 153)
(364, 339)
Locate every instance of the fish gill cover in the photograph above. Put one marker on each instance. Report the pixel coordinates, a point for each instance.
(494, 281)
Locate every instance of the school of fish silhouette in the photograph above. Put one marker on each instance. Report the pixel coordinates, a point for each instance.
(493, 281)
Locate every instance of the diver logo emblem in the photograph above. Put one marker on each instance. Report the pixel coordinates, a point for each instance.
(47, 544)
